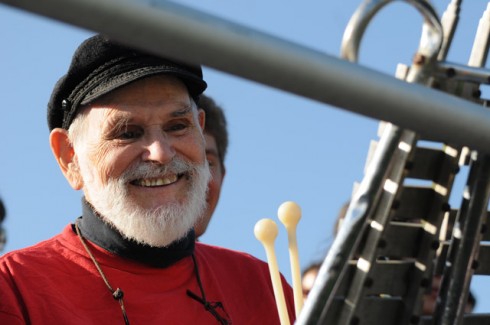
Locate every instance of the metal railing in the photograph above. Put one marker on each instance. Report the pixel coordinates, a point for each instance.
(273, 61)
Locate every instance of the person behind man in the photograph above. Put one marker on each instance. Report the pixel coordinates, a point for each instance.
(216, 136)
(125, 129)
(308, 277)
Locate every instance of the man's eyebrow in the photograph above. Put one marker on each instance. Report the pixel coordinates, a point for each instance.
(212, 151)
(118, 121)
(182, 111)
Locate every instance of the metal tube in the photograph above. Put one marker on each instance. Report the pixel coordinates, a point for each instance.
(430, 42)
(449, 21)
(201, 38)
(464, 247)
(455, 71)
(317, 306)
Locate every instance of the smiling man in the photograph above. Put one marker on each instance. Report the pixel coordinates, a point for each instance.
(127, 131)
(139, 159)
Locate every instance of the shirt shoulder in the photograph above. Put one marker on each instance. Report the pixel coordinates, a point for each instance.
(228, 256)
(47, 251)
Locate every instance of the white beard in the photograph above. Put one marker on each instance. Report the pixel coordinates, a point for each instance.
(155, 227)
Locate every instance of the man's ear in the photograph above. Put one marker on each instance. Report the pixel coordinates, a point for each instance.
(201, 116)
(65, 157)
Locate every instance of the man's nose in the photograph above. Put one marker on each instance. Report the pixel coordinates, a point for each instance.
(159, 149)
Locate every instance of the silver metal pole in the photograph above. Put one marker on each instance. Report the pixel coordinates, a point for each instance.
(173, 30)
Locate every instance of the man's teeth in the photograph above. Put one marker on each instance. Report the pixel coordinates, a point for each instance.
(157, 181)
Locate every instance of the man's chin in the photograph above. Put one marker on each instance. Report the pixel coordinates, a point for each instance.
(145, 204)
(154, 238)
(153, 227)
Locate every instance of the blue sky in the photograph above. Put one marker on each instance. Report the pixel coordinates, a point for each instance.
(282, 147)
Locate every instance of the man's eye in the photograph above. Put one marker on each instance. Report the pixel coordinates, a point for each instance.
(212, 160)
(130, 133)
(177, 127)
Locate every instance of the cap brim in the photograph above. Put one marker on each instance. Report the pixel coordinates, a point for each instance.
(195, 85)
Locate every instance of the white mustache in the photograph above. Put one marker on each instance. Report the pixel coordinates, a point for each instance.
(152, 170)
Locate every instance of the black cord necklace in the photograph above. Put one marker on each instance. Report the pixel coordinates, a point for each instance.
(118, 294)
(215, 308)
(212, 307)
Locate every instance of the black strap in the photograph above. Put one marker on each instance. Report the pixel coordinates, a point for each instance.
(209, 306)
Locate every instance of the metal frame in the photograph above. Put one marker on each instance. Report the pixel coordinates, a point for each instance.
(273, 61)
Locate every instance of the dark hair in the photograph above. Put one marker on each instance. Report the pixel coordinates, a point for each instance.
(2, 211)
(215, 125)
(313, 266)
(471, 300)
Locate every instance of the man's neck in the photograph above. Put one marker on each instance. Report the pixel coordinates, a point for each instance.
(96, 230)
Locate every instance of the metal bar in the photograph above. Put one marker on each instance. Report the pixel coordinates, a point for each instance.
(479, 52)
(378, 223)
(419, 73)
(317, 306)
(275, 62)
(449, 21)
(455, 71)
(463, 251)
(430, 42)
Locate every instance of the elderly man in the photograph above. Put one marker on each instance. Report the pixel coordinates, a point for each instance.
(126, 130)
(216, 136)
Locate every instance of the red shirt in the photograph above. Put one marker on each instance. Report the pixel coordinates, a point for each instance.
(55, 282)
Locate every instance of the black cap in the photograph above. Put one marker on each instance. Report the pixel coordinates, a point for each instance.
(100, 66)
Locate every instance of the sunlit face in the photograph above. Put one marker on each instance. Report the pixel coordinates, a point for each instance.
(142, 160)
(430, 299)
(214, 185)
(308, 280)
